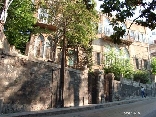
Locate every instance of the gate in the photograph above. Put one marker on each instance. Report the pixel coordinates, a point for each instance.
(93, 88)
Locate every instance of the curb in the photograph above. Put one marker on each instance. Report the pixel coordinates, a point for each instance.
(59, 111)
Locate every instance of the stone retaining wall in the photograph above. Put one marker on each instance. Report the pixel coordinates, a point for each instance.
(127, 88)
(34, 85)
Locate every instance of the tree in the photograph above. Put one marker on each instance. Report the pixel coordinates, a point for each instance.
(153, 65)
(126, 9)
(19, 23)
(142, 76)
(76, 28)
(115, 63)
(75, 22)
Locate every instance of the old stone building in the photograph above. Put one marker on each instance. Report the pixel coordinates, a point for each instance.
(32, 82)
(152, 50)
(134, 46)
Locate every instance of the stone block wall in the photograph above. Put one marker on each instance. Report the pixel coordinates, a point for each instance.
(77, 85)
(127, 88)
(34, 85)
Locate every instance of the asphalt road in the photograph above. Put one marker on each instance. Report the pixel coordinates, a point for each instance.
(145, 108)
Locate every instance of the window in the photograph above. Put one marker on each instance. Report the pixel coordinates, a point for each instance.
(132, 34)
(117, 50)
(100, 29)
(47, 48)
(140, 37)
(137, 63)
(72, 57)
(107, 61)
(107, 48)
(98, 58)
(108, 29)
(43, 15)
(39, 46)
(144, 38)
(153, 33)
(136, 36)
(125, 53)
(145, 64)
(140, 66)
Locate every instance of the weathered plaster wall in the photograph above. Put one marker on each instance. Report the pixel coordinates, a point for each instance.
(34, 85)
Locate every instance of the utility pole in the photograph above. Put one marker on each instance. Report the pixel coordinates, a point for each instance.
(62, 70)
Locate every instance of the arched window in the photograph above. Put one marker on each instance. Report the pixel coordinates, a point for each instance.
(107, 48)
(48, 47)
(126, 53)
(49, 41)
(117, 50)
(39, 46)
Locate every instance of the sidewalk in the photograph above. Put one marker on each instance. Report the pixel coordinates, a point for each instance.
(57, 111)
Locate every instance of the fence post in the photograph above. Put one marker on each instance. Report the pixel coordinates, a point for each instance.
(1, 105)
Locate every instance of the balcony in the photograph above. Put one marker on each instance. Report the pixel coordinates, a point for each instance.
(106, 32)
(46, 26)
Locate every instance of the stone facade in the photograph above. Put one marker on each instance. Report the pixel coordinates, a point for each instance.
(134, 44)
(152, 50)
(41, 46)
(135, 47)
(31, 83)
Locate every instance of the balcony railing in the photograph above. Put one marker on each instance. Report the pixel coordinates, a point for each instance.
(107, 31)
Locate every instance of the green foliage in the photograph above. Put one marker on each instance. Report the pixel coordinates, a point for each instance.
(142, 76)
(2, 5)
(76, 24)
(19, 23)
(80, 27)
(126, 9)
(115, 63)
(153, 65)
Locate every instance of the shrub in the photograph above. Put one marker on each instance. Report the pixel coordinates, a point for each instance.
(142, 76)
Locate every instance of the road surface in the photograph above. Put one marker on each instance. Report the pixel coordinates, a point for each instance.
(145, 108)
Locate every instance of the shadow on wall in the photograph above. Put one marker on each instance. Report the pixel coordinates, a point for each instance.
(75, 91)
(76, 86)
(93, 88)
(33, 86)
(129, 90)
(26, 85)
